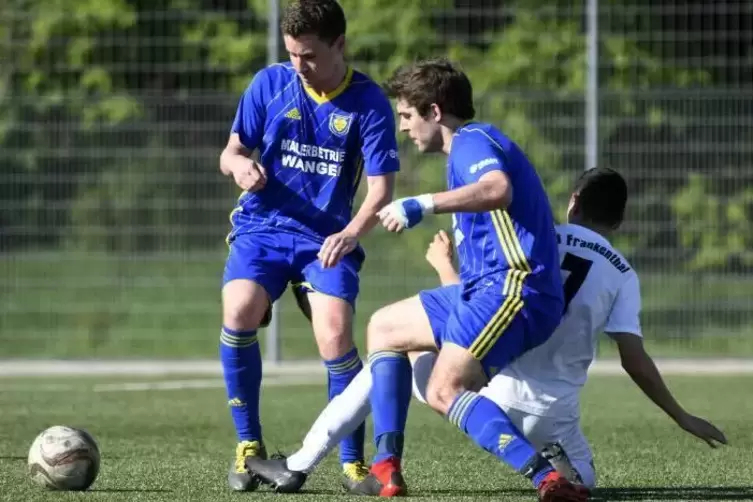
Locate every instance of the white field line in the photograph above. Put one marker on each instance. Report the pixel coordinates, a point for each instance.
(163, 385)
(276, 375)
(305, 370)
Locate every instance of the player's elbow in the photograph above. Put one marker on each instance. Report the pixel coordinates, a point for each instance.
(634, 359)
(502, 196)
(628, 365)
(226, 162)
(232, 153)
(496, 192)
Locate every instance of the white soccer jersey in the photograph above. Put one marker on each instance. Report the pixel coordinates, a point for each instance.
(602, 294)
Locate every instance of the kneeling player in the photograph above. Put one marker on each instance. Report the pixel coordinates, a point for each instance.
(540, 391)
(544, 409)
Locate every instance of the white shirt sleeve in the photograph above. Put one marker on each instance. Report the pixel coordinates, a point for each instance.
(626, 310)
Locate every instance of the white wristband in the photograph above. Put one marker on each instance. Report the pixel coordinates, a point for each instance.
(427, 202)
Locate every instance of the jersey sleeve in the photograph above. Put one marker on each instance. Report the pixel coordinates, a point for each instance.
(378, 137)
(477, 154)
(251, 114)
(625, 314)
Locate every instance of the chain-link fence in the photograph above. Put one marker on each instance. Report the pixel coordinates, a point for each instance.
(112, 116)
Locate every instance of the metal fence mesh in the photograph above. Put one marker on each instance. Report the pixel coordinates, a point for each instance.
(112, 116)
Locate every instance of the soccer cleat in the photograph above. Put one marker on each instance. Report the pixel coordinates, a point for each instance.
(384, 480)
(556, 456)
(275, 473)
(353, 474)
(556, 488)
(238, 478)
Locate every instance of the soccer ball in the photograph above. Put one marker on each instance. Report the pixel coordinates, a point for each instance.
(64, 458)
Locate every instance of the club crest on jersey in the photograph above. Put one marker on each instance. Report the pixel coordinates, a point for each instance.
(339, 123)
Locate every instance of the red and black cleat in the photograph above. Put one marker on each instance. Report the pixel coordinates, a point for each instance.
(384, 480)
(556, 488)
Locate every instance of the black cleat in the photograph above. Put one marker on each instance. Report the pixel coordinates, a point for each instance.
(556, 456)
(275, 473)
(384, 480)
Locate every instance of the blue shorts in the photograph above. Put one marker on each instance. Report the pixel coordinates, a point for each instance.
(273, 259)
(496, 329)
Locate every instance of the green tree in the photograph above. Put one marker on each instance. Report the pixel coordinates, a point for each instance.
(113, 73)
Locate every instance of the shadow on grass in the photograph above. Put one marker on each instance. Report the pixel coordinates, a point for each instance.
(130, 490)
(677, 493)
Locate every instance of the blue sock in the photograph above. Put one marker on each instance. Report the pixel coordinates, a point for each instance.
(241, 366)
(491, 429)
(340, 372)
(390, 396)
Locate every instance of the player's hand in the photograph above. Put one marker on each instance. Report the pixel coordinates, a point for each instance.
(335, 247)
(439, 254)
(406, 212)
(702, 429)
(250, 176)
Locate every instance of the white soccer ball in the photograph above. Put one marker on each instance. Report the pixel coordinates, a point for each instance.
(64, 458)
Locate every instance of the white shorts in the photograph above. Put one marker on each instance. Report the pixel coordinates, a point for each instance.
(567, 432)
(539, 430)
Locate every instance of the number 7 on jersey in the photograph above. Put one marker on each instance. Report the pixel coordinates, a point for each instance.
(578, 268)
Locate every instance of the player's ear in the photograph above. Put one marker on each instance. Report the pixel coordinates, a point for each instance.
(435, 113)
(573, 207)
(339, 43)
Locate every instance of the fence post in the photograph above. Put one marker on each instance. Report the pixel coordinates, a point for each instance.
(272, 335)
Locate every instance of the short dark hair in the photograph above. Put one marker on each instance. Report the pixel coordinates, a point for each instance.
(602, 196)
(323, 18)
(435, 81)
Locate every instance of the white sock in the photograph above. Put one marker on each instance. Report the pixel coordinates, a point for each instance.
(347, 411)
(423, 364)
(343, 414)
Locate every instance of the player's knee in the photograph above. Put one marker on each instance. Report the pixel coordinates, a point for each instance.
(440, 394)
(243, 306)
(241, 316)
(377, 330)
(333, 329)
(334, 341)
(382, 332)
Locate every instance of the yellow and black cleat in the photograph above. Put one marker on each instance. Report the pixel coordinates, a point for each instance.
(354, 473)
(238, 477)
(385, 479)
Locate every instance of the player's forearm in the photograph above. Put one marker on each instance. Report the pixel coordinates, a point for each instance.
(366, 217)
(474, 198)
(646, 376)
(447, 275)
(379, 194)
(446, 272)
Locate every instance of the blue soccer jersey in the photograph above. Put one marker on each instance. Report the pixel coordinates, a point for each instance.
(517, 245)
(314, 149)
